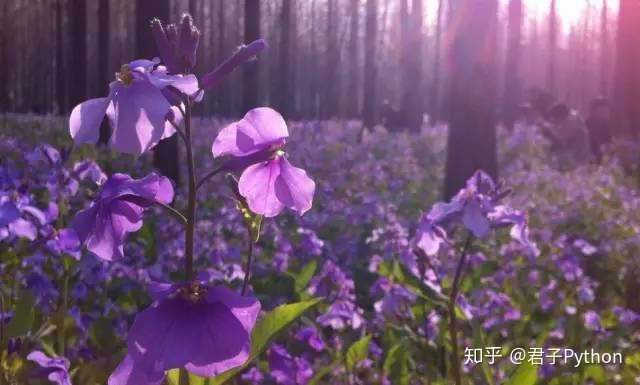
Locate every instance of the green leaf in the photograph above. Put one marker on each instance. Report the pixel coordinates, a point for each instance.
(357, 352)
(23, 316)
(195, 380)
(173, 377)
(302, 278)
(526, 374)
(479, 340)
(265, 330)
(396, 365)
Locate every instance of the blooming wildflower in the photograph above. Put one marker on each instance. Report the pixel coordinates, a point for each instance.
(592, 320)
(118, 211)
(311, 336)
(55, 369)
(205, 330)
(270, 182)
(136, 107)
(287, 370)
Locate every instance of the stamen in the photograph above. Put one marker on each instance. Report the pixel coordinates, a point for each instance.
(125, 76)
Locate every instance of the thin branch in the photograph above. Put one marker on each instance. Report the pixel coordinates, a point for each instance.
(173, 212)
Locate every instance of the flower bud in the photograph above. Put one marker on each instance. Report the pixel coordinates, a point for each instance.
(244, 53)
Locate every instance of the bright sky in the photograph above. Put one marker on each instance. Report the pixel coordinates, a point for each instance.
(569, 11)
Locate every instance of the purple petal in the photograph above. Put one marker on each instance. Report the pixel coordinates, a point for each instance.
(8, 213)
(126, 374)
(257, 186)
(85, 120)
(475, 219)
(260, 128)
(24, 229)
(293, 187)
(137, 117)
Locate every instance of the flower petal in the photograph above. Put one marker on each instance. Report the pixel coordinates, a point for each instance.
(293, 187)
(257, 130)
(257, 186)
(85, 120)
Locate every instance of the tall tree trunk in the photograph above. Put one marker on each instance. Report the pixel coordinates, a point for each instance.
(513, 88)
(103, 62)
(435, 87)
(251, 74)
(284, 94)
(165, 153)
(370, 72)
(332, 58)
(78, 61)
(413, 88)
(353, 102)
(553, 48)
(223, 104)
(61, 79)
(627, 77)
(472, 133)
(605, 52)
(4, 57)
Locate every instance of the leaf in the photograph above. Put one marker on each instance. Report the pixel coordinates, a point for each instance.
(195, 380)
(479, 340)
(23, 316)
(320, 373)
(302, 278)
(526, 374)
(357, 352)
(265, 330)
(173, 377)
(396, 365)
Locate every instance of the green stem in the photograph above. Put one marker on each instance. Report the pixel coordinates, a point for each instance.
(247, 266)
(173, 212)
(453, 320)
(191, 208)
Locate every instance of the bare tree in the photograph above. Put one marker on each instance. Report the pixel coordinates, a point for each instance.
(251, 75)
(437, 52)
(413, 97)
(353, 102)
(471, 143)
(77, 61)
(370, 72)
(627, 77)
(513, 88)
(284, 91)
(553, 48)
(605, 52)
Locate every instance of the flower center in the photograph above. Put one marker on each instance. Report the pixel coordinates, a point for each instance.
(194, 292)
(125, 76)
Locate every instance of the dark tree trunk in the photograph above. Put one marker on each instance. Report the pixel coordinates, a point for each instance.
(605, 52)
(627, 77)
(370, 73)
(332, 58)
(413, 98)
(103, 62)
(251, 74)
(165, 153)
(553, 48)
(472, 133)
(222, 94)
(78, 61)
(4, 57)
(513, 89)
(353, 102)
(435, 88)
(283, 92)
(61, 78)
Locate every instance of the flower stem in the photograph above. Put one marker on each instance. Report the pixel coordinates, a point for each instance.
(247, 266)
(453, 321)
(173, 212)
(191, 209)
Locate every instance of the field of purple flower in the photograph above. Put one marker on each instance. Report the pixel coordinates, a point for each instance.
(328, 260)
(383, 270)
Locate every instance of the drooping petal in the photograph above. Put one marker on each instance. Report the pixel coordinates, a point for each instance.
(126, 374)
(293, 187)
(257, 186)
(429, 239)
(475, 219)
(258, 129)
(85, 120)
(205, 338)
(24, 229)
(8, 213)
(138, 117)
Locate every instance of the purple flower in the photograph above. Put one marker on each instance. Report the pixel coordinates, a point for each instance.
(65, 241)
(205, 330)
(287, 370)
(270, 182)
(136, 108)
(177, 44)
(592, 320)
(244, 53)
(118, 211)
(311, 336)
(55, 369)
